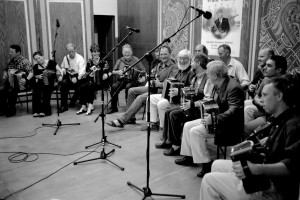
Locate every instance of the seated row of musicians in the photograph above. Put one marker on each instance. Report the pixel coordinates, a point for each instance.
(276, 176)
(137, 96)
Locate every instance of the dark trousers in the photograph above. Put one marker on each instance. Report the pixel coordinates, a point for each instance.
(173, 125)
(115, 90)
(41, 97)
(86, 92)
(8, 98)
(66, 85)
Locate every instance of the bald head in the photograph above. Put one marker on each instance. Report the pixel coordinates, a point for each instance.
(200, 48)
(263, 55)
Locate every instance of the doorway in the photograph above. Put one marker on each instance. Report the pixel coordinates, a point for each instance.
(104, 36)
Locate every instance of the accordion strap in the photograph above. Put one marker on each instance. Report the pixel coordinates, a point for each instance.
(246, 168)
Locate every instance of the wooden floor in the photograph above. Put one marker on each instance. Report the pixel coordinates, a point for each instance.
(52, 175)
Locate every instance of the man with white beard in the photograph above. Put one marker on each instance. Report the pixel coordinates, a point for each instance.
(158, 104)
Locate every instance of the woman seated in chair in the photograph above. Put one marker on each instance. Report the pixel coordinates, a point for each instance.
(45, 73)
(90, 82)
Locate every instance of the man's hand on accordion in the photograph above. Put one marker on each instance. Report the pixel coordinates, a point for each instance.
(238, 169)
(206, 119)
(186, 105)
(173, 92)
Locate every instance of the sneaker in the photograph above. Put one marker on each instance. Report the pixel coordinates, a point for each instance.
(35, 115)
(153, 127)
(42, 115)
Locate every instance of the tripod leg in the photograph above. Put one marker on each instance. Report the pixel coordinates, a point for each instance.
(113, 144)
(122, 168)
(103, 156)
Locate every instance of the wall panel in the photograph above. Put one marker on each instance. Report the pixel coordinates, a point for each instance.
(13, 29)
(280, 29)
(70, 15)
(141, 14)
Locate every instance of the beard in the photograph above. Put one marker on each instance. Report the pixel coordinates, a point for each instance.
(183, 66)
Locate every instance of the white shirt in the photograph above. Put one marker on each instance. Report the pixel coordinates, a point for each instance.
(237, 70)
(77, 63)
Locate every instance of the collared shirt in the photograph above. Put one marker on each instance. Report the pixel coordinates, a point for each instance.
(185, 76)
(202, 84)
(283, 145)
(237, 70)
(20, 63)
(164, 70)
(77, 63)
(122, 62)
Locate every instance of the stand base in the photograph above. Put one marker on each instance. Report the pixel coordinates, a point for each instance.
(147, 192)
(103, 142)
(103, 156)
(58, 124)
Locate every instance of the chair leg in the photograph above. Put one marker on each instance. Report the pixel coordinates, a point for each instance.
(27, 100)
(223, 151)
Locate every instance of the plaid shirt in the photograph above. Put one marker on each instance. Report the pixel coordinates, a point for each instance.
(19, 63)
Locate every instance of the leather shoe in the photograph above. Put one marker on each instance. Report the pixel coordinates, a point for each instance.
(206, 168)
(63, 109)
(172, 152)
(163, 145)
(186, 161)
(202, 173)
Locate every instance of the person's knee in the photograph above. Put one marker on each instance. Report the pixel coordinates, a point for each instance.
(163, 104)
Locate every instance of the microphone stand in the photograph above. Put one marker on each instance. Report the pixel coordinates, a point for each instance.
(58, 123)
(104, 141)
(146, 190)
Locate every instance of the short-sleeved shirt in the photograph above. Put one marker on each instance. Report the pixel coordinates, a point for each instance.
(164, 70)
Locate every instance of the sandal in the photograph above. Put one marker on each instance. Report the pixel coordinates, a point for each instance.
(116, 123)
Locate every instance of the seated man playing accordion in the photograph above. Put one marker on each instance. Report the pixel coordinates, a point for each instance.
(280, 167)
(125, 80)
(177, 116)
(229, 96)
(158, 102)
(16, 74)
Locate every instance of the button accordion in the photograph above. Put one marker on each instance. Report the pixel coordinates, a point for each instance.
(252, 151)
(212, 108)
(167, 85)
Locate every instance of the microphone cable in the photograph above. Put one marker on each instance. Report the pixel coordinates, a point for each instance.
(19, 157)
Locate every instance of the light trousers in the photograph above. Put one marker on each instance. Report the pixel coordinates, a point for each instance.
(193, 142)
(222, 183)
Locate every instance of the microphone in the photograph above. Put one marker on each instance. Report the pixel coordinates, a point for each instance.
(206, 14)
(133, 29)
(57, 23)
